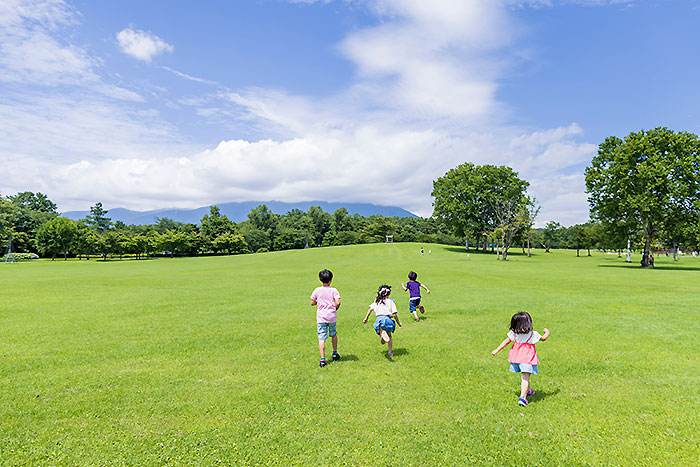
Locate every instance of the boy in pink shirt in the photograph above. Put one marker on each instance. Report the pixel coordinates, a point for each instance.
(327, 301)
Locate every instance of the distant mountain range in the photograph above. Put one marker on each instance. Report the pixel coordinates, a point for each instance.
(238, 212)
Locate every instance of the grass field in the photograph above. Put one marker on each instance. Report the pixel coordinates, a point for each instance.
(206, 361)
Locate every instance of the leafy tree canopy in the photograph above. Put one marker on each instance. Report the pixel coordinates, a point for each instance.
(647, 182)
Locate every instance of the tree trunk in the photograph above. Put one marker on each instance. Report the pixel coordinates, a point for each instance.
(528, 244)
(485, 243)
(589, 251)
(577, 255)
(466, 242)
(647, 247)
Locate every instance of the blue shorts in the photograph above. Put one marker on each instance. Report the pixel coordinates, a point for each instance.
(413, 304)
(523, 367)
(325, 330)
(384, 322)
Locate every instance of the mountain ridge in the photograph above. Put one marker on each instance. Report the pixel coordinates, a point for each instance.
(238, 211)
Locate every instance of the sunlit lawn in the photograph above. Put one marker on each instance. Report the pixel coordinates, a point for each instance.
(202, 361)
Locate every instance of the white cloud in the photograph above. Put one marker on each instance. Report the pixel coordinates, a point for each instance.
(141, 45)
(424, 100)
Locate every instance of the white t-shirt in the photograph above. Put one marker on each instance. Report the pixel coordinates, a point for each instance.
(384, 309)
(522, 338)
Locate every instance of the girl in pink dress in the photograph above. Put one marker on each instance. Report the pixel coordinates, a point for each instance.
(523, 356)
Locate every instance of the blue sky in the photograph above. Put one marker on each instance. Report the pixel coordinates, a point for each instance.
(156, 104)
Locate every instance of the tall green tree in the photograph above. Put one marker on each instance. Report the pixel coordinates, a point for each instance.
(469, 197)
(97, 219)
(57, 236)
(552, 235)
(650, 181)
(214, 224)
(33, 201)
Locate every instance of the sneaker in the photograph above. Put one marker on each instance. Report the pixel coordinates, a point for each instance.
(417, 319)
(530, 392)
(391, 354)
(522, 402)
(322, 363)
(422, 310)
(336, 356)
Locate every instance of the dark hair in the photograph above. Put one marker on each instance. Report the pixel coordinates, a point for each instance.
(325, 276)
(521, 323)
(383, 292)
(412, 276)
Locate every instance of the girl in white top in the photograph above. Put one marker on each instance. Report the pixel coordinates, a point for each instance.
(384, 309)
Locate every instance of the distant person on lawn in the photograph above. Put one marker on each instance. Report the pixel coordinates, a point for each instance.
(523, 356)
(327, 301)
(387, 317)
(413, 287)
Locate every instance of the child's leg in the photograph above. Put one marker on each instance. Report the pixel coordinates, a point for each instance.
(415, 315)
(384, 336)
(391, 350)
(524, 384)
(334, 339)
(322, 349)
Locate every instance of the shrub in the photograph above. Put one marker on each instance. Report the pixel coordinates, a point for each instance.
(21, 256)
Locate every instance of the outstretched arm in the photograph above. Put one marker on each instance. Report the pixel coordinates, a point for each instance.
(396, 317)
(404, 287)
(367, 316)
(426, 289)
(505, 342)
(545, 335)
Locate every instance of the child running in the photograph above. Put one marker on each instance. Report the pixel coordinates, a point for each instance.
(327, 301)
(413, 287)
(523, 356)
(384, 309)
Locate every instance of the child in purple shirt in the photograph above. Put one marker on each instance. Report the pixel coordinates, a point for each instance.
(413, 286)
(327, 301)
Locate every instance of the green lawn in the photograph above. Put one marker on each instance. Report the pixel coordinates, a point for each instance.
(205, 361)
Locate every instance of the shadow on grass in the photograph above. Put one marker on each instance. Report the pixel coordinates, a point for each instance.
(511, 252)
(541, 395)
(348, 358)
(398, 352)
(661, 267)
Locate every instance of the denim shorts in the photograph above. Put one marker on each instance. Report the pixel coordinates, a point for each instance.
(413, 304)
(523, 367)
(384, 322)
(325, 330)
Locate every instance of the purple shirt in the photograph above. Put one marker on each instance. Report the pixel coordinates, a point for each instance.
(413, 289)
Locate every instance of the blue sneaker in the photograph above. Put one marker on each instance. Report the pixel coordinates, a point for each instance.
(523, 402)
(322, 363)
(336, 356)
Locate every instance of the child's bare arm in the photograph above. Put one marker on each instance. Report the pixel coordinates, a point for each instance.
(337, 303)
(313, 302)
(367, 316)
(505, 342)
(545, 335)
(404, 287)
(396, 317)
(426, 288)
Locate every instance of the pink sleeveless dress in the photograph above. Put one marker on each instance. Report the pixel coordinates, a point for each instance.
(523, 353)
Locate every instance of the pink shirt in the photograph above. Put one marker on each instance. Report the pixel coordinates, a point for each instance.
(325, 302)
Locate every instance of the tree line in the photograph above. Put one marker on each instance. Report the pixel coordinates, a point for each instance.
(35, 225)
(643, 191)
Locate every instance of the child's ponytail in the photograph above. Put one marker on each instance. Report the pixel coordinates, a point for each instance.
(383, 293)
